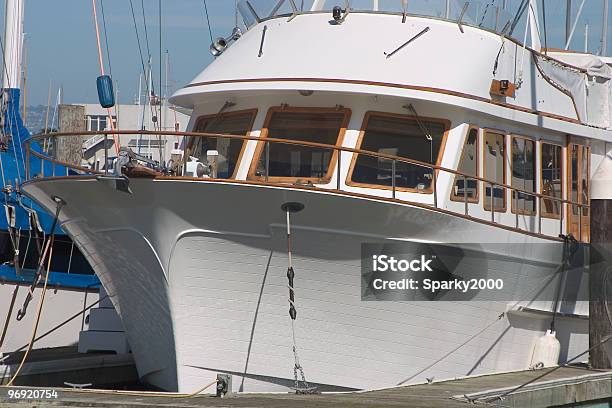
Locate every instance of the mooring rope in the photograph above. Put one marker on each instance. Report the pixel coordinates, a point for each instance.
(36, 320)
(8, 315)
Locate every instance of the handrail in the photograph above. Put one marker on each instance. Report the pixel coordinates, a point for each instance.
(393, 158)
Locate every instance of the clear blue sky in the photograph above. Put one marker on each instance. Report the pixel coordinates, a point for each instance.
(61, 42)
(62, 45)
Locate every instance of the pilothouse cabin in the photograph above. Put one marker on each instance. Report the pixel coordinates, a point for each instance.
(504, 135)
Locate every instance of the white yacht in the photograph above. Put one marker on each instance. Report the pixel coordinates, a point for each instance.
(382, 121)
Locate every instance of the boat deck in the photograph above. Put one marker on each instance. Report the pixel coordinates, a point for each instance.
(565, 385)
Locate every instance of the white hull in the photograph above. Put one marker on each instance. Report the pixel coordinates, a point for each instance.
(201, 288)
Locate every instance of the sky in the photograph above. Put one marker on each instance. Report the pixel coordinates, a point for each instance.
(61, 42)
(62, 48)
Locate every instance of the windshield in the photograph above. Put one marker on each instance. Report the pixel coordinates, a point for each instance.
(487, 14)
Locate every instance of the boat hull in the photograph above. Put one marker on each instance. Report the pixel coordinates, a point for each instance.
(201, 287)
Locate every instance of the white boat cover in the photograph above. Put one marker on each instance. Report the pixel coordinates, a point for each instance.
(587, 78)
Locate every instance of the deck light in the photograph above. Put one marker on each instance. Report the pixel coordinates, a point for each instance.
(337, 13)
(220, 44)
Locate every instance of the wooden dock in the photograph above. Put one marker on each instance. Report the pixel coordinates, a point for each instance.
(563, 386)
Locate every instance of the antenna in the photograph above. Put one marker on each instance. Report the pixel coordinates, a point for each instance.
(568, 19)
(604, 30)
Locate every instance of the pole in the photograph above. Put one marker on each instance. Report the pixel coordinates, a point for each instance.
(600, 273)
(48, 108)
(586, 37)
(25, 85)
(108, 110)
(604, 30)
(161, 93)
(568, 19)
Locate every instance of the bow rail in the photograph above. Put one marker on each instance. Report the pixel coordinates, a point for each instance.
(178, 171)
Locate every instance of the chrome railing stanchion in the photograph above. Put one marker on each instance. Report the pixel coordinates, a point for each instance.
(393, 178)
(561, 218)
(435, 191)
(580, 222)
(465, 197)
(516, 213)
(492, 202)
(105, 154)
(539, 215)
(53, 168)
(27, 163)
(267, 160)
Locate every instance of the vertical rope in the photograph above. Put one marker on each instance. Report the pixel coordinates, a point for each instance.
(544, 22)
(110, 66)
(208, 21)
(161, 94)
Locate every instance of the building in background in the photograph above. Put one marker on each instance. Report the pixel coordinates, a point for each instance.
(90, 151)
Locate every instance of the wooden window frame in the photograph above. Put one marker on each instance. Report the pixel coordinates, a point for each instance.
(476, 199)
(535, 180)
(203, 118)
(541, 180)
(503, 209)
(568, 208)
(364, 125)
(264, 134)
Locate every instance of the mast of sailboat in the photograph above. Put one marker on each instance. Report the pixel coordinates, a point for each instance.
(25, 84)
(47, 114)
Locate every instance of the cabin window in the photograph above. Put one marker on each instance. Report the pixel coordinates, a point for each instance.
(466, 188)
(579, 170)
(403, 136)
(523, 175)
(551, 174)
(289, 162)
(585, 176)
(230, 150)
(494, 158)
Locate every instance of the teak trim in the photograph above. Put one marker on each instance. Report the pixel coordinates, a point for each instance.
(535, 169)
(252, 112)
(264, 135)
(30, 152)
(453, 196)
(487, 201)
(160, 178)
(543, 213)
(349, 178)
(92, 174)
